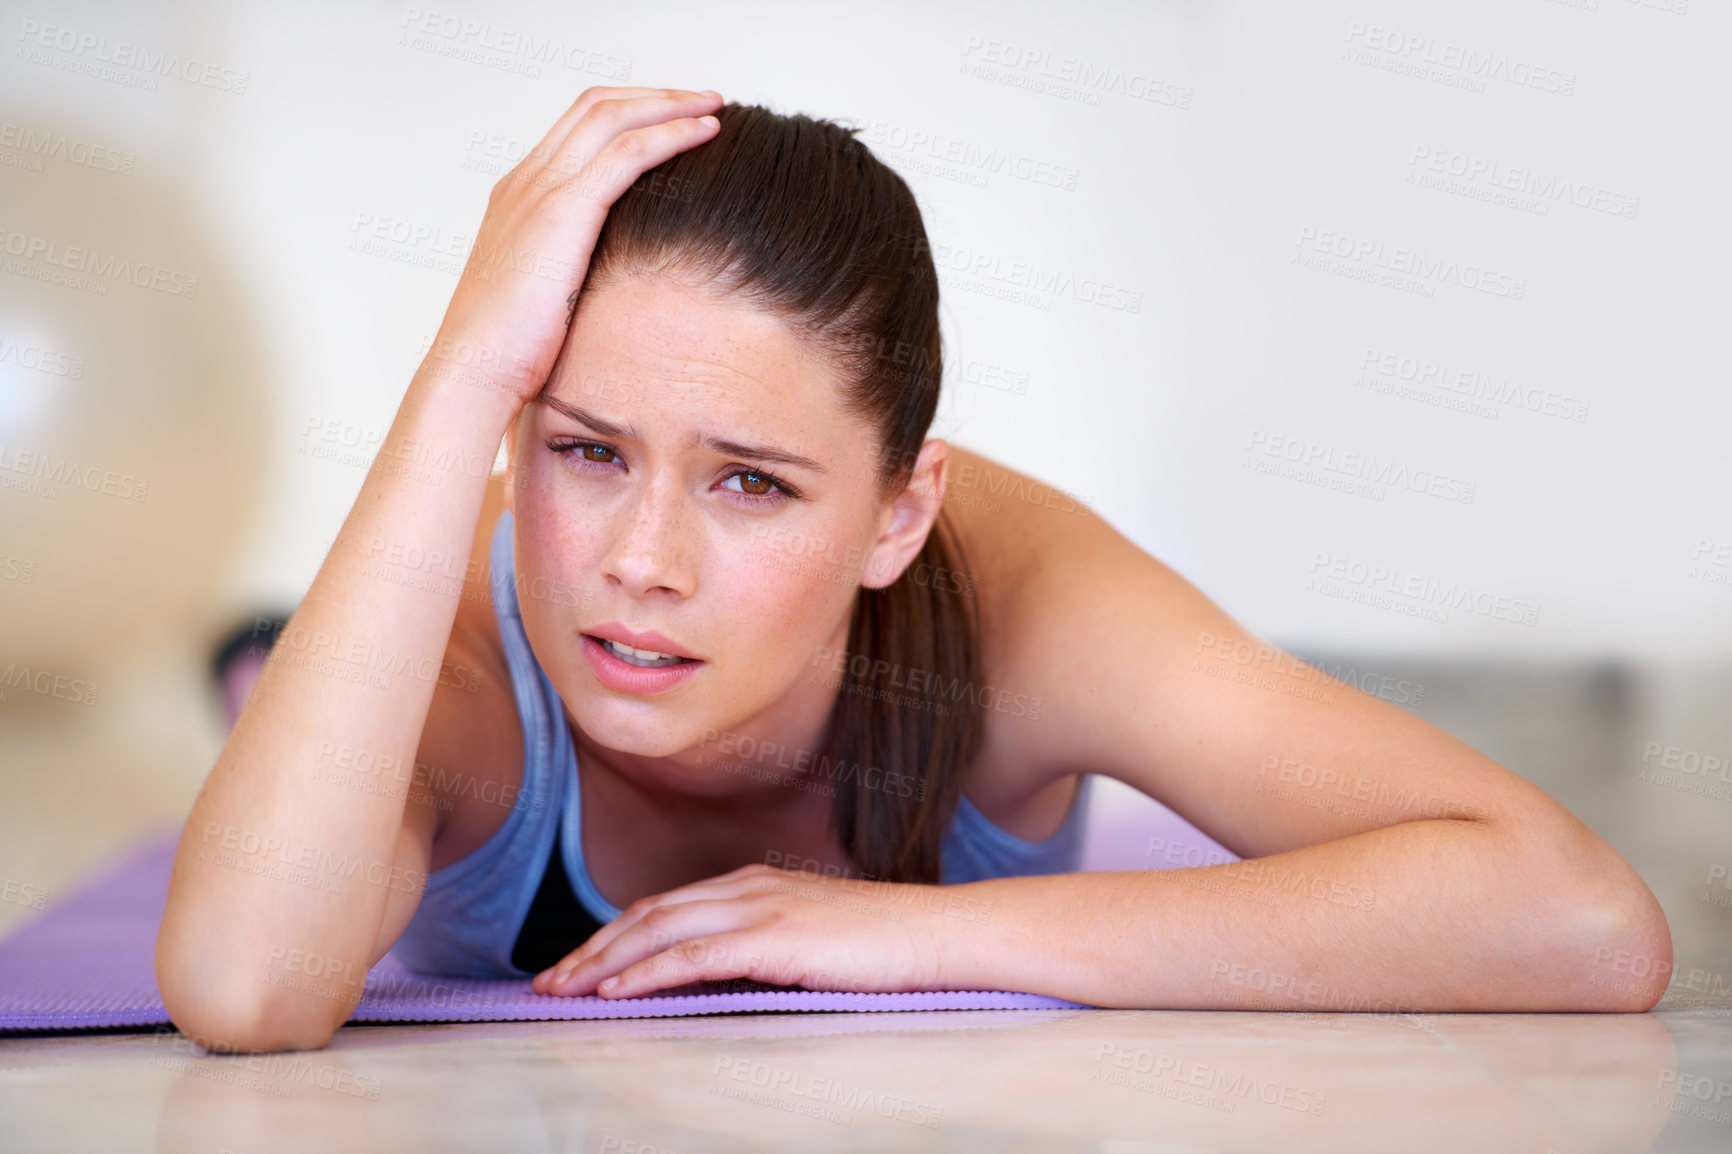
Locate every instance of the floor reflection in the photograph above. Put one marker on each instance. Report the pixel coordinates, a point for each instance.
(995, 1079)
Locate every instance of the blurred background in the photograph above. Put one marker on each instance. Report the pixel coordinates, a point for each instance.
(1398, 329)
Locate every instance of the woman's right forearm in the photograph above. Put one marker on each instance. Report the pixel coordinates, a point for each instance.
(274, 862)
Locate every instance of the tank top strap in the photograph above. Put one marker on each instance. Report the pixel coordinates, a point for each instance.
(561, 754)
(976, 849)
(469, 914)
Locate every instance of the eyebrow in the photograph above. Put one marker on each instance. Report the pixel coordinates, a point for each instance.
(585, 417)
(719, 445)
(760, 453)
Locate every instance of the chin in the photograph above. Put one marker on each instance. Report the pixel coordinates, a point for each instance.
(637, 728)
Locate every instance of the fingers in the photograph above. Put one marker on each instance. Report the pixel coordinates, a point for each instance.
(705, 959)
(735, 883)
(596, 120)
(606, 177)
(589, 98)
(662, 928)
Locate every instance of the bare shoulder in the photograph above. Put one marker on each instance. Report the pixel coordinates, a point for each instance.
(1037, 557)
(1139, 676)
(470, 760)
(1012, 525)
(1062, 592)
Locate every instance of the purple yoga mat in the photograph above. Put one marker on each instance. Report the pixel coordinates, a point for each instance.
(89, 961)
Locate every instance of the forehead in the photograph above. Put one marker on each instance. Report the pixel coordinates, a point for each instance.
(660, 339)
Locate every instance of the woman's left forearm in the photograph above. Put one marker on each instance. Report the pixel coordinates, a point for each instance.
(1429, 915)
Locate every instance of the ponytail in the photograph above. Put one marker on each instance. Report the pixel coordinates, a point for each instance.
(904, 726)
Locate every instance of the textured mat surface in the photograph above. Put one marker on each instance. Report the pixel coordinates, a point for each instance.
(89, 962)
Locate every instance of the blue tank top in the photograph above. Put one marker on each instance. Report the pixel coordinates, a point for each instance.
(470, 914)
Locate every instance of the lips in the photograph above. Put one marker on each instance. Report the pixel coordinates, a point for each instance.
(648, 641)
(634, 676)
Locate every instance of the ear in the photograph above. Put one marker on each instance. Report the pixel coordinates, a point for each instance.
(903, 527)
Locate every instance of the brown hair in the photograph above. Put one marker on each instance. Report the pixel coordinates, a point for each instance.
(800, 218)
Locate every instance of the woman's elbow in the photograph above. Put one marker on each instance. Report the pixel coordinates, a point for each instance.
(226, 1015)
(1637, 958)
(246, 1026)
(1624, 943)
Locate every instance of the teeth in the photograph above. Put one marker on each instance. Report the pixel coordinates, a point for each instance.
(646, 654)
(644, 657)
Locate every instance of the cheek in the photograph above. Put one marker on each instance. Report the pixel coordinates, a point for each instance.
(556, 556)
(556, 526)
(783, 595)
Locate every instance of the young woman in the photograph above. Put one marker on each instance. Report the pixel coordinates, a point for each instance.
(739, 614)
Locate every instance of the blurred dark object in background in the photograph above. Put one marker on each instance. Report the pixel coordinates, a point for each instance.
(240, 659)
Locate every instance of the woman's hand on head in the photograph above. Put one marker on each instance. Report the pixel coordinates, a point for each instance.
(780, 927)
(508, 317)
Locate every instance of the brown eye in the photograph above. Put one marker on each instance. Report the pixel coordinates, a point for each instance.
(761, 487)
(603, 450)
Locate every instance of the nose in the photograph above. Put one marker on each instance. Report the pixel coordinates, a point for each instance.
(651, 550)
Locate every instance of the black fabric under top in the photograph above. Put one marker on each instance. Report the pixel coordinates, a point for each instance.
(556, 923)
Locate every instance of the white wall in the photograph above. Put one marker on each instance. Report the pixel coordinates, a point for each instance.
(1199, 142)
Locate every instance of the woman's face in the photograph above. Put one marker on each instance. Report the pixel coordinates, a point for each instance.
(690, 472)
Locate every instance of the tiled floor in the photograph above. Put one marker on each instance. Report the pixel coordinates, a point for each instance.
(997, 1080)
